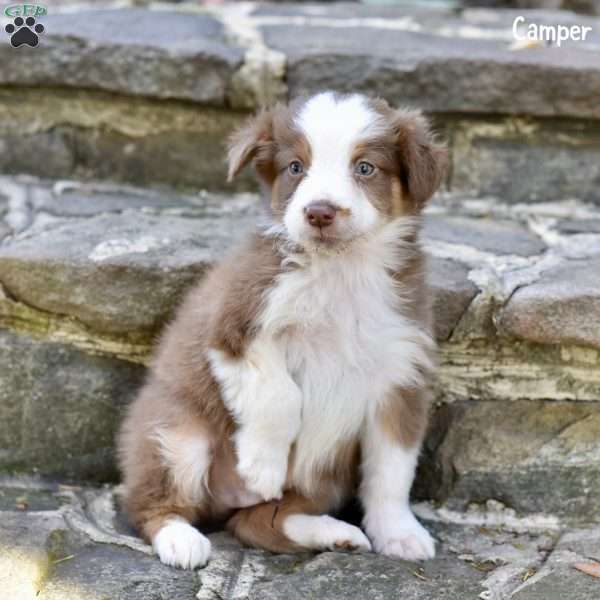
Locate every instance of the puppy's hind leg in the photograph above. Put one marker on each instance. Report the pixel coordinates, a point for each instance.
(295, 524)
(164, 493)
(179, 544)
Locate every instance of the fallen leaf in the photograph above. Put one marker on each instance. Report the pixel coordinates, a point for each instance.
(21, 503)
(526, 44)
(592, 569)
(485, 566)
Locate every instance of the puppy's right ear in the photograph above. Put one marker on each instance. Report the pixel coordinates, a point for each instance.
(253, 141)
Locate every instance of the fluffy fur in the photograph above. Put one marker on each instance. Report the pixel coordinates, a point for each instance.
(295, 374)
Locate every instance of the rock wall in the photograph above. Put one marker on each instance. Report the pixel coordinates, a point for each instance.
(90, 269)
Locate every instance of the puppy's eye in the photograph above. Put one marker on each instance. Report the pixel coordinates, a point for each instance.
(296, 168)
(364, 169)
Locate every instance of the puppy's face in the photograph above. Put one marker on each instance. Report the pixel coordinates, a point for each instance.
(337, 168)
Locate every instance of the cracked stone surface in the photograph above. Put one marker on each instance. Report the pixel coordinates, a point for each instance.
(453, 293)
(557, 578)
(69, 543)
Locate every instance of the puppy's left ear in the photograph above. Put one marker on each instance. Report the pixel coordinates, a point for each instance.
(423, 160)
(253, 141)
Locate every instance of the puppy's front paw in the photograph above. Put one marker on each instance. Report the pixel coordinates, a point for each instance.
(178, 544)
(263, 475)
(403, 537)
(410, 545)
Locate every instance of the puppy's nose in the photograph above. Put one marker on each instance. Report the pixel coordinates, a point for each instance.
(320, 214)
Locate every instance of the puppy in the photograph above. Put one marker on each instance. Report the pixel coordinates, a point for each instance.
(296, 373)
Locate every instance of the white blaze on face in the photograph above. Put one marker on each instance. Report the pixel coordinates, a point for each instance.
(333, 126)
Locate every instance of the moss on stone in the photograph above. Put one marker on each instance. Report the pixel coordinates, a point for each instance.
(16, 316)
(62, 133)
(503, 368)
(30, 110)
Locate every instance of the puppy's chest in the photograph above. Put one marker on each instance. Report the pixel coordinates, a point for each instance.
(341, 332)
(336, 329)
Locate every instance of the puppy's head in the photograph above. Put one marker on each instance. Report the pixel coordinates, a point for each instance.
(337, 168)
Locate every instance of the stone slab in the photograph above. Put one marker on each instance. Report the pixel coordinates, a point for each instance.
(533, 456)
(453, 293)
(60, 408)
(121, 272)
(54, 132)
(521, 159)
(81, 552)
(442, 18)
(563, 306)
(571, 226)
(131, 51)
(456, 65)
(44, 496)
(559, 578)
(103, 571)
(487, 235)
(45, 555)
(407, 62)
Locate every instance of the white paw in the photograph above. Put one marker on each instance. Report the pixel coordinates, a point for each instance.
(325, 533)
(178, 544)
(263, 475)
(403, 537)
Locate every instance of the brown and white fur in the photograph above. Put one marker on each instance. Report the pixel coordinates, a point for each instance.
(295, 374)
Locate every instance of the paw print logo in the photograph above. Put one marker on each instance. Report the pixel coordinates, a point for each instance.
(24, 32)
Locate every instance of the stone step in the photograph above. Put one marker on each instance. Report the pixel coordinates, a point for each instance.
(68, 543)
(152, 102)
(90, 272)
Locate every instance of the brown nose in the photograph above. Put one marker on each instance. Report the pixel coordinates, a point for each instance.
(320, 214)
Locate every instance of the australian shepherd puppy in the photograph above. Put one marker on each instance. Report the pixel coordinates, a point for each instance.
(296, 373)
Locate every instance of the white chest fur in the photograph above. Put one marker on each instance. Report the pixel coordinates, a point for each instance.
(338, 323)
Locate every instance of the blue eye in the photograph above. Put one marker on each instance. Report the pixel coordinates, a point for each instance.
(364, 169)
(296, 167)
